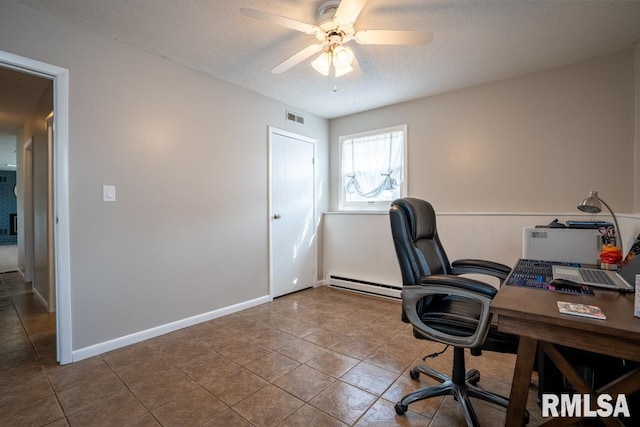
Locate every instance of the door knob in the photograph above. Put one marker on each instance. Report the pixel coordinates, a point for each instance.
(277, 216)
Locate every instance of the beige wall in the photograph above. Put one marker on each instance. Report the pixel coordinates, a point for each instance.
(188, 155)
(536, 143)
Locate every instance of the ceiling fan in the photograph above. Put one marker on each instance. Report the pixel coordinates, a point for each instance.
(335, 28)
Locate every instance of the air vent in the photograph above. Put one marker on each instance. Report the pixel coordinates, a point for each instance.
(293, 117)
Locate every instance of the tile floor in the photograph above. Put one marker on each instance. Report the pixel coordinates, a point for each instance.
(320, 357)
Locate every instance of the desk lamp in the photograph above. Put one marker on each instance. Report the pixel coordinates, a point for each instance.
(593, 204)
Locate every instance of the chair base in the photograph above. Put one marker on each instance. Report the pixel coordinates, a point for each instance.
(461, 387)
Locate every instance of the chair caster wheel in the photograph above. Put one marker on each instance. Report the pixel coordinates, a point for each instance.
(414, 374)
(401, 409)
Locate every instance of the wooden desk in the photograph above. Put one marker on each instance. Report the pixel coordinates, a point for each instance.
(533, 315)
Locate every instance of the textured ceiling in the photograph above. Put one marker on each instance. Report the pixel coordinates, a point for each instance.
(476, 41)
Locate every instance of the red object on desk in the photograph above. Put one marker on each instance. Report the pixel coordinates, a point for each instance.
(611, 255)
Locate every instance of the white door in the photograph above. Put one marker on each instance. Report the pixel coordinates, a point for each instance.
(292, 212)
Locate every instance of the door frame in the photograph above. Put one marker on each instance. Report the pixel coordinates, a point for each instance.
(313, 141)
(27, 208)
(60, 76)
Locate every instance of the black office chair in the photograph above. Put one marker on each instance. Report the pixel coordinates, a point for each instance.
(445, 307)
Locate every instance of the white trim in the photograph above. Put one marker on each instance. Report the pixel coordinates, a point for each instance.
(136, 337)
(61, 193)
(572, 214)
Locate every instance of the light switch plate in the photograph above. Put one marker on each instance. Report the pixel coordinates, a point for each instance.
(108, 193)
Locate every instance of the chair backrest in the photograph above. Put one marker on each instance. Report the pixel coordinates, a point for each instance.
(415, 238)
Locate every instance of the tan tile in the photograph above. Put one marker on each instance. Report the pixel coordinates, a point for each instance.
(325, 337)
(268, 407)
(235, 386)
(201, 329)
(309, 416)
(297, 328)
(37, 412)
(18, 357)
(494, 366)
(370, 378)
(302, 350)
(232, 320)
(355, 347)
(116, 410)
(63, 377)
(405, 385)
(226, 419)
(244, 352)
(346, 326)
(372, 336)
(126, 356)
(220, 338)
(144, 370)
(383, 413)
(390, 358)
(332, 363)
(274, 339)
(147, 420)
(168, 341)
(185, 352)
(272, 366)
(32, 387)
(87, 393)
(343, 401)
(165, 387)
(210, 368)
(450, 414)
(22, 373)
(191, 409)
(62, 422)
(304, 382)
(406, 342)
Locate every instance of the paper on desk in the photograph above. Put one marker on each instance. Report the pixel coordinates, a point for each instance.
(583, 310)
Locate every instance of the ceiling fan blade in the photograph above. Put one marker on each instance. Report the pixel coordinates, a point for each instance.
(283, 21)
(297, 58)
(393, 37)
(348, 11)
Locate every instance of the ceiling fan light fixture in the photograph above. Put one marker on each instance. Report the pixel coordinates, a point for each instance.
(342, 57)
(341, 71)
(322, 63)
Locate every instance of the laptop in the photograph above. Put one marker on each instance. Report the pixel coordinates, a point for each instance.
(622, 280)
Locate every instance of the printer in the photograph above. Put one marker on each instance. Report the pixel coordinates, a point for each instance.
(573, 245)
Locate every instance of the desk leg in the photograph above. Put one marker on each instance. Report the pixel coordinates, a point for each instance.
(521, 382)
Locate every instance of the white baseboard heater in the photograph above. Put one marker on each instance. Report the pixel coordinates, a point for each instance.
(365, 287)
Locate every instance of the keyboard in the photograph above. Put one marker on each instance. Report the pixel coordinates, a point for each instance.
(537, 274)
(596, 276)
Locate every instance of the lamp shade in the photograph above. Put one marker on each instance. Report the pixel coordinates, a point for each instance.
(591, 204)
(322, 63)
(342, 57)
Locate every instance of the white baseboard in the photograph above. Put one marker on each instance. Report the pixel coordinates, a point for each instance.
(41, 299)
(137, 337)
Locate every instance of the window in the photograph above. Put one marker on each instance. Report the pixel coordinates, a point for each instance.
(372, 169)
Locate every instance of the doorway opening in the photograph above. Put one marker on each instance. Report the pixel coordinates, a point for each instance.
(42, 192)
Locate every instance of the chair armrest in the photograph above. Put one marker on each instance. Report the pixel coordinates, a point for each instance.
(460, 283)
(449, 285)
(479, 266)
